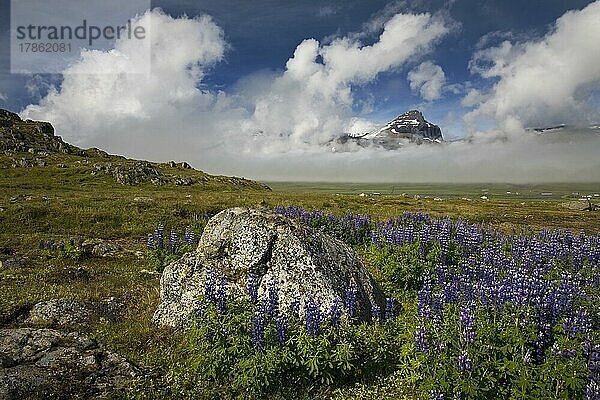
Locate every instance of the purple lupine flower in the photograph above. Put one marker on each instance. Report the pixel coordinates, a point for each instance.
(312, 316)
(335, 313)
(258, 328)
(272, 307)
(580, 321)
(158, 236)
(467, 324)
(390, 308)
(150, 242)
(281, 322)
(71, 242)
(421, 339)
(198, 313)
(593, 364)
(80, 243)
(438, 308)
(295, 306)
(173, 241)
(351, 299)
(436, 395)
(375, 313)
(210, 287)
(42, 244)
(592, 390)
(438, 346)
(186, 235)
(252, 287)
(424, 298)
(221, 296)
(464, 362)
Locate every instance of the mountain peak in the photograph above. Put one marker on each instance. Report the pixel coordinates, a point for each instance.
(411, 125)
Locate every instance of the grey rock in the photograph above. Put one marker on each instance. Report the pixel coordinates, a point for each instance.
(136, 173)
(48, 363)
(70, 312)
(143, 199)
(184, 181)
(301, 261)
(12, 263)
(99, 248)
(172, 164)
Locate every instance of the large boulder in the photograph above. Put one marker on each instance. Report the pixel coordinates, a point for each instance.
(47, 363)
(299, 260)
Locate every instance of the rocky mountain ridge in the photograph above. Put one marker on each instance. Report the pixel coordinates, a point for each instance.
(410, 127)
(33, 144)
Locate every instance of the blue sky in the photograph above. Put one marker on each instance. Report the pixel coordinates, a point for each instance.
(263, 35)
(471, 72)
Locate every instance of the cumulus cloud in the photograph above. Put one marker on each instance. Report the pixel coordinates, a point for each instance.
(542, 82)
(118, 107)
(311, 102)
(428, 79)
(307, 104)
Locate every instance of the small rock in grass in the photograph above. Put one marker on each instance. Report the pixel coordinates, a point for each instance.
(142, 199)
(69, 312)
(99, 248)
(12, 263)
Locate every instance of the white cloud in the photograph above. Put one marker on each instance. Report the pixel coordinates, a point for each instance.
(311, 102)
(428, 79)
(542, 82)
(3, 97)
(306, 105)
(327, 11)
(146, 109)
(472, 98)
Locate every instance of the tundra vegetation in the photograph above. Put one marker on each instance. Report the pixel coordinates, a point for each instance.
(486, 298)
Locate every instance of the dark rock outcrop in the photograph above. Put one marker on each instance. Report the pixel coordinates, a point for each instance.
(30, 136)
(33, 144)
(410, 127)
(47, 363)
(301, 261)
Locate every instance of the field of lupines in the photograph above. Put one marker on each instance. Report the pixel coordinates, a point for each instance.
(478, 314)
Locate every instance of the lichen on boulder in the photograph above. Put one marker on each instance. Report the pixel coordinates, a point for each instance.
(277, 250)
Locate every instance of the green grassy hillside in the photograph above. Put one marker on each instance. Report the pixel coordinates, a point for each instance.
(50, 190)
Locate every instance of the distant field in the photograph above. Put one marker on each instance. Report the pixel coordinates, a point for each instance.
(445, 190)
(68, 200)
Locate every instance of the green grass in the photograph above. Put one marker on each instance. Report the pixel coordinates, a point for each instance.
(60, 203)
